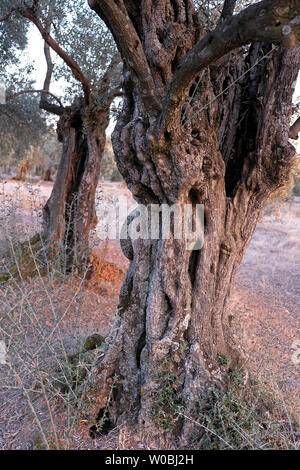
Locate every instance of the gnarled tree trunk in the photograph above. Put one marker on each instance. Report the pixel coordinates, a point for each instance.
(69, 214)
(228, 150)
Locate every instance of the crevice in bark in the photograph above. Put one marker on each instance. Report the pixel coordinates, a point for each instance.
(175, 9)
(193, 265)
(140, 346)
(194, 196)
(175, 297)
(251, 119)
(103, 424)
(168, 312)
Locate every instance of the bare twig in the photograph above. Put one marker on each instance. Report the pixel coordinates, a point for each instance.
(30, 14)
(23, 92)
(6, 17)
(228, 8)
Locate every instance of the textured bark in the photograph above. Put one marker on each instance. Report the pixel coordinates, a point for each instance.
(224, 147)
(69, 214)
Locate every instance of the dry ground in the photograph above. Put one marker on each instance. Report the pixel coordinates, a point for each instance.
(265, 302)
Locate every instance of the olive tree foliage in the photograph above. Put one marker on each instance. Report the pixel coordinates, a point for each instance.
(21, 122)
(81, 54)
(13, 36)
(90, 45)
(22, 126)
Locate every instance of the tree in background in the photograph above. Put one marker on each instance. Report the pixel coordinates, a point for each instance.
(90, 65)
(22, 126)
(205, 120)
(21, 121)
(49, 157)
(13, 37)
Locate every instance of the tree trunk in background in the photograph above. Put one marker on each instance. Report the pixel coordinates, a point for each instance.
(228, 150)
(69, 214)
(23, 168)
(47, 174)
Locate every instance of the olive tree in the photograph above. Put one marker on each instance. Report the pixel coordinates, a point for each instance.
(205, 120)
(89, 65)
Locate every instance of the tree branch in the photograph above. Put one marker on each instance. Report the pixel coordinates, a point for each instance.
(23, 92)
(108, 76)
(44, 103)
(29, 13)
(117, 19)
(228, 8)
(266, 21)
(6, 17)
(295, 129)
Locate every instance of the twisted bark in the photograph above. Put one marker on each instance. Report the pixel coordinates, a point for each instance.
(63, 207)
(69, 214)
(220, 141)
